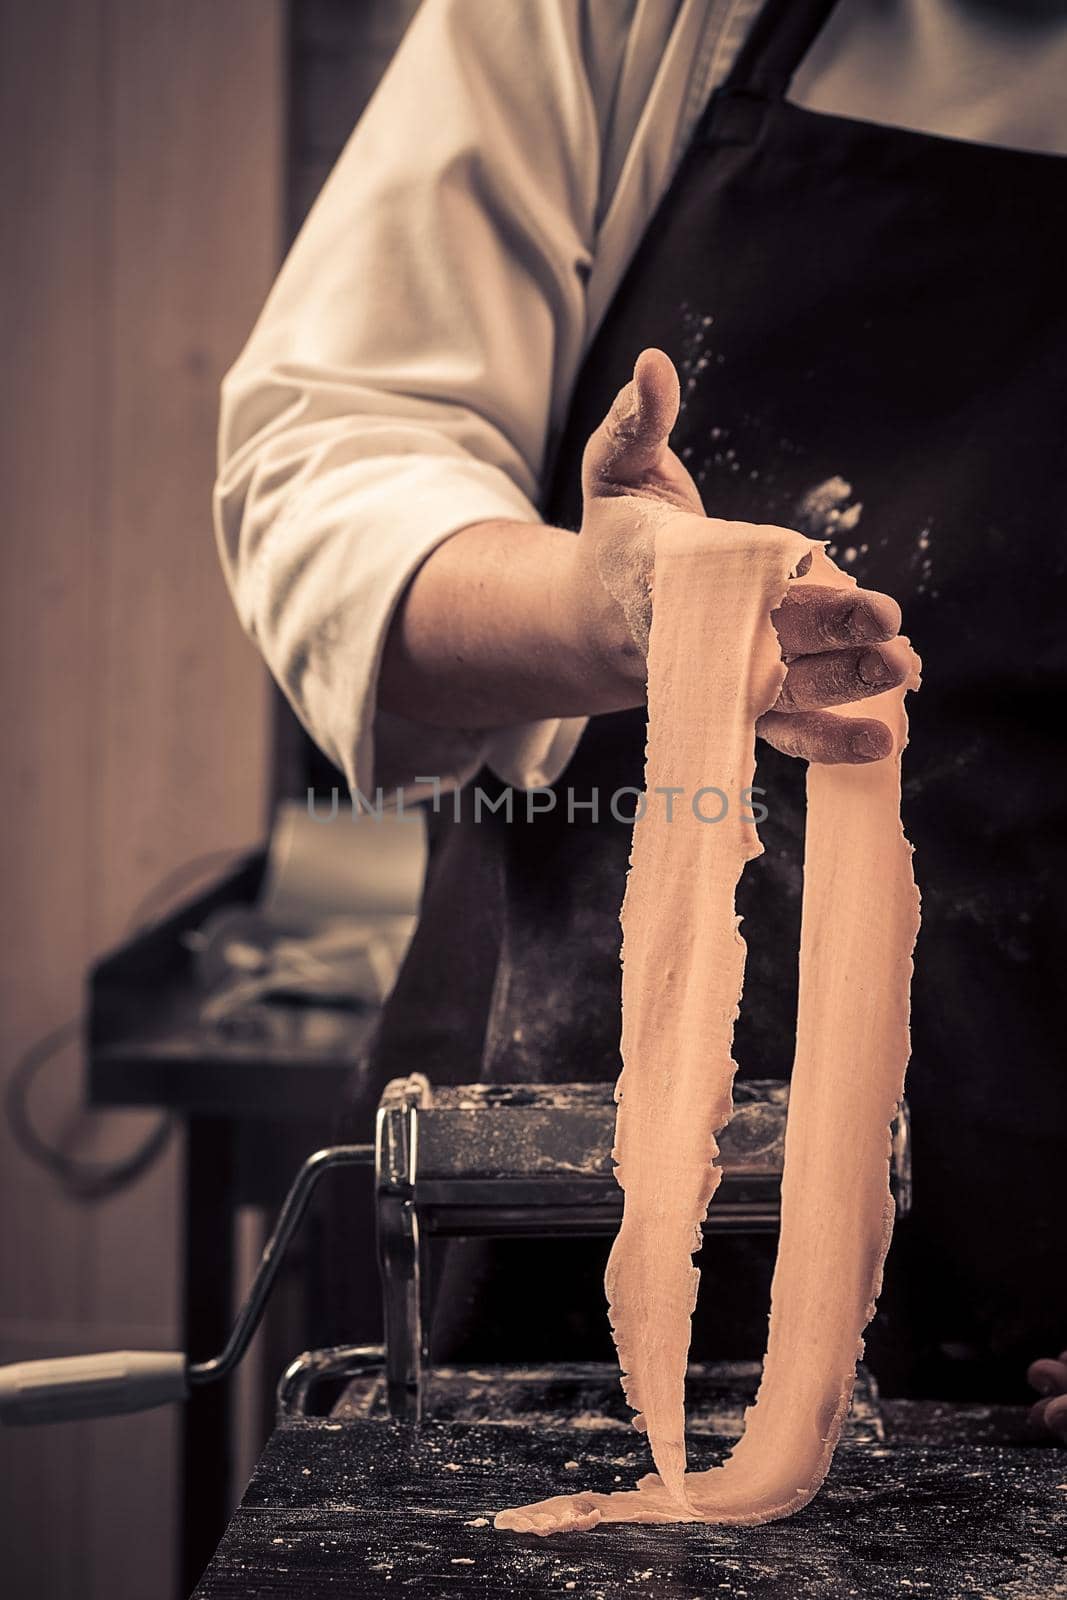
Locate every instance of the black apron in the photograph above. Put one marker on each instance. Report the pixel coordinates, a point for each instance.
(869, 327)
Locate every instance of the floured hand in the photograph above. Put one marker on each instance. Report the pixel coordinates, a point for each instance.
(839, 648)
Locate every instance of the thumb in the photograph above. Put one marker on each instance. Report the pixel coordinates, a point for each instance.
(629, 450)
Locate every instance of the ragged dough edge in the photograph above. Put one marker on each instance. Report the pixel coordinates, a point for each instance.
(759, 674)
(652, 1501)
(825, 784)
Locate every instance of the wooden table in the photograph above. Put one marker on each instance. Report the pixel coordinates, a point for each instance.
(954, 1505)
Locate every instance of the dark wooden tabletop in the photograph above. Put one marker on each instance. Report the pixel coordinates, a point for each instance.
(944, 1508)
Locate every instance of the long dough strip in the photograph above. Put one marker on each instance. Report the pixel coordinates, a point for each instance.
(683, 965)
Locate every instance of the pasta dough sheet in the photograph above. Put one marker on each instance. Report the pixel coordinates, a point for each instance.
(714, 666)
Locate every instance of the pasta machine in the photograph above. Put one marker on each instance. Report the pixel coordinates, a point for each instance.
(474, 1160)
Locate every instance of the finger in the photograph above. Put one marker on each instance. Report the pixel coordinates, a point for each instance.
(822, 737)
(1035, 1417)
(838, 677)
(1050, 1416)
(1048, 1376)
(1056, 1416)
(631, 442)
(813, 617)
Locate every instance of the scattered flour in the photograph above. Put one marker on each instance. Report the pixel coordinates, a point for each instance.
(828, 511)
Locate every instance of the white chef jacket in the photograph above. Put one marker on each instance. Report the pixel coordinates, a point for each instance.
(418, 350)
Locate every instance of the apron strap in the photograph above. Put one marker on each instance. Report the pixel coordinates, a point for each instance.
(776, 45)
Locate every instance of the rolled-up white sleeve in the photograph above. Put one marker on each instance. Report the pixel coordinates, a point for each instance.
(399, 385)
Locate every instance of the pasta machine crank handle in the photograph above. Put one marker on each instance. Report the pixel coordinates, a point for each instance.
(73, 1387)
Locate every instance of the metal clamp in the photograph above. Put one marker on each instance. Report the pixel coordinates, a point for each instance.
(335, 1362)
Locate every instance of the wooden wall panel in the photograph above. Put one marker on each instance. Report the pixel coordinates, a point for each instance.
(141, 152)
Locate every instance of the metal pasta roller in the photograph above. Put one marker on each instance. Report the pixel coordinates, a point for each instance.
(458, 1162)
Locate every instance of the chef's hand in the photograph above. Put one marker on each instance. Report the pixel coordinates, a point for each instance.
(839, 645)
(1049, 1378)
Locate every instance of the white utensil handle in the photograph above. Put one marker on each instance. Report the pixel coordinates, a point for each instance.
(106, 1385)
